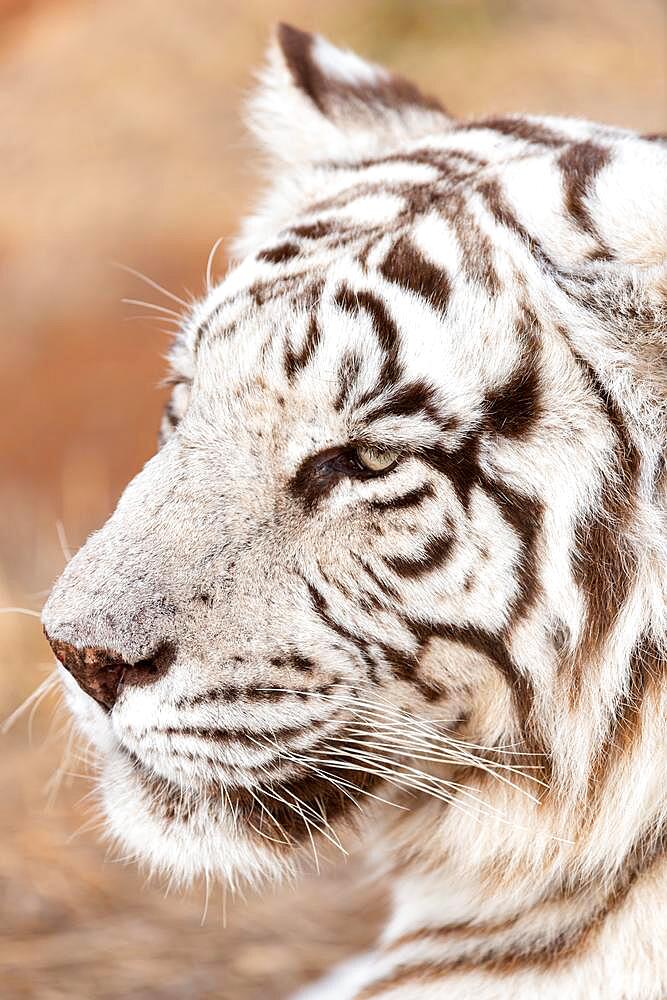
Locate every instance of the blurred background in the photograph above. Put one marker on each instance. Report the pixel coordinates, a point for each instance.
(121, 141)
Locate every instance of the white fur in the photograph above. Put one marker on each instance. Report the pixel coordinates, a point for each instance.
(213, 514)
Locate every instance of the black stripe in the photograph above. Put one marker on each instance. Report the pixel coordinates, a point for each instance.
(321, 608)
(383, 585)
(495, 201)
(405, 668)
(513, 409)
(525, 516)
(436, 552)
(405, 266)
(265, 693)
(417, 398)
(460, 466)
(519, 128)
(248, 737)
(494, 648)
(348, 374)
(580, 164)
(385, 329)
(295, 361)
(404, 500)
(279, 253)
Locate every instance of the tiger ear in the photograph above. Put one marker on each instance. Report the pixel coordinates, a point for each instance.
(318, 102)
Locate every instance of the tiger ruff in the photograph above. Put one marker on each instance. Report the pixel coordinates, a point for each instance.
(403, 545)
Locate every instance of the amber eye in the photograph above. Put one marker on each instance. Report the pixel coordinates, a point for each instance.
(375, 460)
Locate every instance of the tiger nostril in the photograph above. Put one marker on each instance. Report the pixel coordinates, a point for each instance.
(101, 672)
(96, 670)
(150, 669)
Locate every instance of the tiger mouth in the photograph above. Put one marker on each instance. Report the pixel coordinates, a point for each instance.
(282, 809)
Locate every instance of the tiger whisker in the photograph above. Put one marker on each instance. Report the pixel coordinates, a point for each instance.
(90, 826)
(456, 751)
(408, 782)
(288, 840)
(302, 805)
(430, 758)
(33, 700)
(461, 747)
(420, 748)
(152, 305)
(63, 542)
(311, 838)
(153, 319)
(209, 262)
(20, 611)
(151, 282)
(263, 834)
(342, 784)
(54, 783)
(332, 837)
(206, 897)
(423, 781)
(378, 760)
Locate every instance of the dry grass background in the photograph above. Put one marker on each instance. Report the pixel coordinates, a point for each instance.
(121, 141)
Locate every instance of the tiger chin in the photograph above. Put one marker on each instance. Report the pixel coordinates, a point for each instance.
(396, 574)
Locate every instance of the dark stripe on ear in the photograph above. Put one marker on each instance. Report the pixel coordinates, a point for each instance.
(296, 47)
(326, 91)
(405, 266)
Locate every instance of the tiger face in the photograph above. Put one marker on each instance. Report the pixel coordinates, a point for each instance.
(372, 497)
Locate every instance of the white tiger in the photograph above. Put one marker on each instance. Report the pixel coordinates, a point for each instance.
(403, 545)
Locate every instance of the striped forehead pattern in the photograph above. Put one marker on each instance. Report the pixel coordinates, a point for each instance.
(433, 214)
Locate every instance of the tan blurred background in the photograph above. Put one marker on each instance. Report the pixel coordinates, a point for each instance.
(120, 140)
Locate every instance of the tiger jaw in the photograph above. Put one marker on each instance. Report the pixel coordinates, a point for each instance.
(269, 798)
(240, 805)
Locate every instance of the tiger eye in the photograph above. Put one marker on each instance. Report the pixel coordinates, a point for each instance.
(375, 460)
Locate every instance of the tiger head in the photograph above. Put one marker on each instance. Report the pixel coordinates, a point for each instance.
(404, 512)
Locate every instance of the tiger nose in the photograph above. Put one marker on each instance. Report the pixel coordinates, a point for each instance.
(100, 672)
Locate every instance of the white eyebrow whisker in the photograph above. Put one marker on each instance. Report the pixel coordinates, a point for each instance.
(152, 305)
(209, 262)
(149, 281)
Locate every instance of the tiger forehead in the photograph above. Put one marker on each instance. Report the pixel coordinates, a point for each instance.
(375, 215)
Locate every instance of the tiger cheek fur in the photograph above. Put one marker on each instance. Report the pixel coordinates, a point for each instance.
(403, 544)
